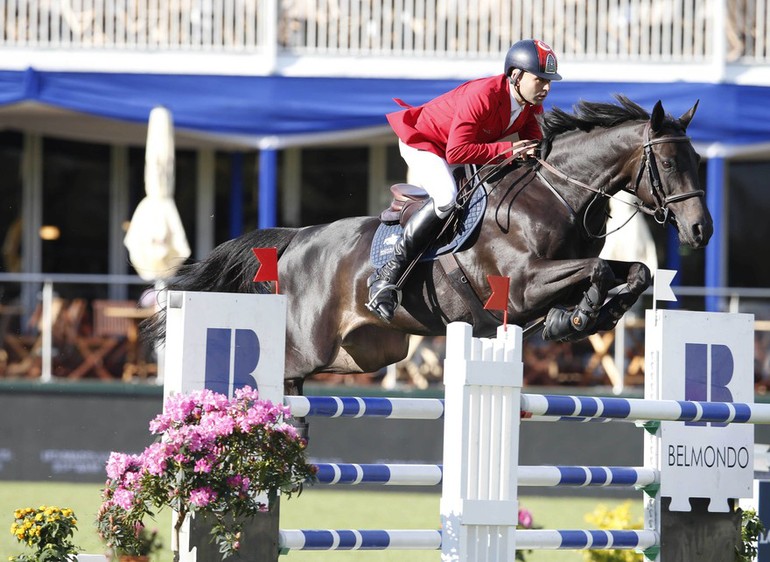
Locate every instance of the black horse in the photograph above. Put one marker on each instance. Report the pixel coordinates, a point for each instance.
(542, 228)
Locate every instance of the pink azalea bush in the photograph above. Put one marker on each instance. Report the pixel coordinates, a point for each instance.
(213, 455)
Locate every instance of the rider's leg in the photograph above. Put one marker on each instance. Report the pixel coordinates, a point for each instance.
(435, 176)
(420, 231)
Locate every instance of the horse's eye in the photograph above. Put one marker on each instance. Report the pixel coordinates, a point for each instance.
(667, 164)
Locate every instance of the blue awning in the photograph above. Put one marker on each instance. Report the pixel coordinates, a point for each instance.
(250, 109)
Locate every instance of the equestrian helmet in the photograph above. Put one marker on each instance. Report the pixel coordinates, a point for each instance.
(533, 56)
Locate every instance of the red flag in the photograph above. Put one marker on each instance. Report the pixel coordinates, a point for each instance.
(268, 265)
(498, 300)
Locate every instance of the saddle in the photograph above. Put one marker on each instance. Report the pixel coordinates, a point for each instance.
(406, 200)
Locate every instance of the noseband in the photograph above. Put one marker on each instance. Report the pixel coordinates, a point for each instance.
(661, 211)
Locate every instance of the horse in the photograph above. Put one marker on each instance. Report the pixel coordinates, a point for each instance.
(543, 228)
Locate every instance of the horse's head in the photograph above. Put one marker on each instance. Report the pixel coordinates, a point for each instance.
(667, 181)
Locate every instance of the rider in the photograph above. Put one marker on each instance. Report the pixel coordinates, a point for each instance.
(472, 124)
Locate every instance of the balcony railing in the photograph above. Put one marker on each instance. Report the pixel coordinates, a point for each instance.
(284, 31)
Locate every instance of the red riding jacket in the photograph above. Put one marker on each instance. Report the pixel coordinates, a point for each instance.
(465, 125)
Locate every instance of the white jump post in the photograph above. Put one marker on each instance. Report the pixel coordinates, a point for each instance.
(479, 507)
(221, 342)
(705, 357)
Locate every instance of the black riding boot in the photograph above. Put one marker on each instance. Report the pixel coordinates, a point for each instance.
(420, 231)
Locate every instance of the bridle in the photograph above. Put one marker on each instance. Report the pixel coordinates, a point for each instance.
(661, 211)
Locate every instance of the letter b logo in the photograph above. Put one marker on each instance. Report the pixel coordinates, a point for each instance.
(708, 370)
(230, 351)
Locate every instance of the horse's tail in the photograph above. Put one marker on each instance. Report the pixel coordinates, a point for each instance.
(229, 268)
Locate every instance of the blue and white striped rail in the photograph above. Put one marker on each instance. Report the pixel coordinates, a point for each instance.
(587, 476)
(431, 474)
(542, 407)
(526, 539)
(388, 474)
(356, 407)
(637, 409)
(553, 539)
(352, 539)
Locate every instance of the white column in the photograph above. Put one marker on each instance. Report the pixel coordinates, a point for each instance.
(119, 213)
(205, 220)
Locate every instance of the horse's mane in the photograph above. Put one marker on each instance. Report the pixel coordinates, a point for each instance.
(587, 114)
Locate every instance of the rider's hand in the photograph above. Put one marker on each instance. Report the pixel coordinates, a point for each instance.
(524, 149)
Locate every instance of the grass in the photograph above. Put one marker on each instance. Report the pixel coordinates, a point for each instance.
(315, 508)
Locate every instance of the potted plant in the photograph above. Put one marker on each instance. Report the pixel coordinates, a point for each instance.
(214, 457)
(48, 530)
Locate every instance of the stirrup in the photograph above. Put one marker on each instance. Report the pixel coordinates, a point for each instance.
(371, 306)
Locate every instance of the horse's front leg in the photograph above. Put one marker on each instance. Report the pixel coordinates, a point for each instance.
(564, 324)
(637, 277)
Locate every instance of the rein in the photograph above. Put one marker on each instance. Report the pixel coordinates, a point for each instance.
(661, 210)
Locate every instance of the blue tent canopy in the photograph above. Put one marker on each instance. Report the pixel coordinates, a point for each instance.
(257, 107)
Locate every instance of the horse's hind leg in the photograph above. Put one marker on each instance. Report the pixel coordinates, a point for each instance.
(562, 324)
(638, 278)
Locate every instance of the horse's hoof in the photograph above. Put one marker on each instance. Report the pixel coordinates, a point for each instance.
(557, 325)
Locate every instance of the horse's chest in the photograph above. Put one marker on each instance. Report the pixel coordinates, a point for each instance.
(561, 243)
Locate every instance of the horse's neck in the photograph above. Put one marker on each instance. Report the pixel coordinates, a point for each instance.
(604, 165)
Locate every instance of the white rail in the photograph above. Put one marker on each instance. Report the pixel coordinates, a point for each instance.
(650, 31)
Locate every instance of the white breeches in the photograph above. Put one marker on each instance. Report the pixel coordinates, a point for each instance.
(433, 174)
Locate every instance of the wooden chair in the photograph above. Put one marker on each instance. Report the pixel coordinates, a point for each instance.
(108, 338)
(115, 331)
(26, 350)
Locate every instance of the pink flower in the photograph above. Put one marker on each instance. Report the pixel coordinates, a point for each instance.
(119, 463)
(201, 497)
(525, 518)
(203, 465)
(154, 458)
(124, 498)
(239, 482)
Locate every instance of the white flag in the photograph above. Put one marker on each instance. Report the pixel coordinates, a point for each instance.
(662, 290)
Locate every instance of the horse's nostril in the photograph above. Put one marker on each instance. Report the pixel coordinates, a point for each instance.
(701, 233)
(697, 231)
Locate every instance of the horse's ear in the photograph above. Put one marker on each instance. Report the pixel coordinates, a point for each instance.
(656, 120)
(685, 119)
